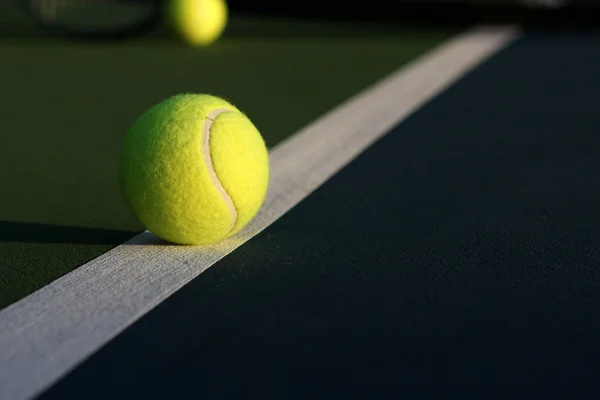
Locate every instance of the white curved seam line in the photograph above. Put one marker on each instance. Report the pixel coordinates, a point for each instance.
(210, 119)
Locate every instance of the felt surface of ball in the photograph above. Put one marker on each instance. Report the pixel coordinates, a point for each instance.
(194, 169)
(198, 22)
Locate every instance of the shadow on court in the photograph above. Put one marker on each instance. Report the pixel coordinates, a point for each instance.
(24, 232)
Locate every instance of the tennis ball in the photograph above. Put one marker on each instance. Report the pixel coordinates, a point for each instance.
(198, 22)
(194, 169)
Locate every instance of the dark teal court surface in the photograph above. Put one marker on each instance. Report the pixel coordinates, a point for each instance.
(457, 257)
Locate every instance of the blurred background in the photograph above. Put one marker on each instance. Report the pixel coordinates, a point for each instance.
(432, 10)
(133, 17)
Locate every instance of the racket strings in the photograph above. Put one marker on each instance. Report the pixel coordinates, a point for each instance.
(97, 17)
(50, 10)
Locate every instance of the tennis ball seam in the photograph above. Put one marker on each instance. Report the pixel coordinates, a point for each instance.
(206, 133)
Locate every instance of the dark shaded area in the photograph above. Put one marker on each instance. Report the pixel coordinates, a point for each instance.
(458, 257)
(266, 27)
(94, 21)
(450, 14)
(24, 232)
(573, 13)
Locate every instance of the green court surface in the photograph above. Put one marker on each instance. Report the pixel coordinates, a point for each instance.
(66, 106)
(431, 228)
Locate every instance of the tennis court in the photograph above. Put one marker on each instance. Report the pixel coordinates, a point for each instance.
(431, 227)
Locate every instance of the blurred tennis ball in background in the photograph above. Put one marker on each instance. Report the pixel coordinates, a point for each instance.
(198, 22)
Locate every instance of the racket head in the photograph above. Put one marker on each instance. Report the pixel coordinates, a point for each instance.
(97, 18)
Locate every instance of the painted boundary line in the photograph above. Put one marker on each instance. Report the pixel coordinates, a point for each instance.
(47, 334)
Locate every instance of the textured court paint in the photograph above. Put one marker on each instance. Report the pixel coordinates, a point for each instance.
(206, 142)
(80, 312)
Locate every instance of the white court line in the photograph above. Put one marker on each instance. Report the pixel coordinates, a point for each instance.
(47, 334)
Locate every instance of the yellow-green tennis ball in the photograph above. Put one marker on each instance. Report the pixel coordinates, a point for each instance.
(198, 22)
(194, 169)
